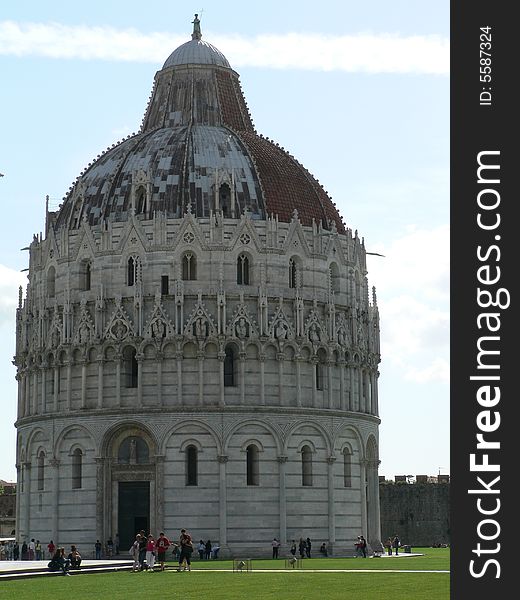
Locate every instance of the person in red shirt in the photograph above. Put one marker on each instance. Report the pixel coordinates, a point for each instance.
(150, 553)
(51, 548)
(162, 544)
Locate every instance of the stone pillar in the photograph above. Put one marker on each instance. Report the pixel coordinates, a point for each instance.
(330, 401)
(280, 358)
(19, 379)
(84, 384)
(282, 461)
(43, 390)
(342, 391)
(117, 358)
(222, 460)
(363, 491)
(352, 399)
(35, 392)
(19, 488)
(159, 493)
(373, 508)
(375, 391)
(261, 358)
(56, 397)
(179, 378)
(361, 396)
(27, 395)
(368, 398)
(101, 363)
(139, 360)
(298, 360)
(221, 358)
(27, 497)
(314, 362)
(242, 362)
(159, 362)
(100, 487)
(55, 504)
(332, 509)
(200, 356)
(69, 385)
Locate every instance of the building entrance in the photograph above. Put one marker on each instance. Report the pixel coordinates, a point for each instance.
(133, 511)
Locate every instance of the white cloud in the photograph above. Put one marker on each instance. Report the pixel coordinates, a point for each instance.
(413, 297)
(363, 52)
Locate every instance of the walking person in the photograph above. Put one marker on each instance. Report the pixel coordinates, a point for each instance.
(142, 549)
(293, 548)
(276, 546)
(308, 547)
(363, 546)
(389, 546)
(97, 549)
(31, 549)
(301, 548)
(38, 550)
(51, 548)
(134, 553)
(162, 544)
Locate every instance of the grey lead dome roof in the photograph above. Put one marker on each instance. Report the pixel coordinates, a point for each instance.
(196, 52)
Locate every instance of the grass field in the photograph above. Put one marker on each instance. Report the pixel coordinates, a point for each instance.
(225, 585)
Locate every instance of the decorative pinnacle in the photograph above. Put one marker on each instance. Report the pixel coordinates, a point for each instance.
(196, 35)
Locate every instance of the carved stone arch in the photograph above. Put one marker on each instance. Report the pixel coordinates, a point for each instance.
(267, 426)
(306, 442)
(200, 323)
(372, 448)
(118, 433)
(278, 321)
(241, 325)
(306, 423)
(119, 326)
(357, 435)
(191, 442)
(203, 425)
(252, 442)
(58, 444)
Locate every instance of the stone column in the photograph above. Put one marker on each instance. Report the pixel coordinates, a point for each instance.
(221, 358)
(332, 509)
(280, 358)
(222, 460)
(261, 358)
(100, 487)
(117, 358)
(375, 391)
(101, 363)
(179, 378)
(352, 399)
(56, 397)
(35, 392)
(282, 461)
(330, 400)
(242, 362)
(55, 504)
(373, 509)
(69, 385)
(314, 362)
(159, 492)
(18, 507)
(366, 387)
(363, 491)
(43, 390)
(27, 394)
(19, 379)
(27, 497)
(84, 384)
(200, 356)
(139, 360)
(298, 360)
(159, 360)
(361, 396)
(342, 391)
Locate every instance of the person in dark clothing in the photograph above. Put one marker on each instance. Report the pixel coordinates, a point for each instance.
(207, 551)
(24, 551)
(308, 547)
(142, 549)
(301, 548)
(59, 563)
(363, 546)
(74, 558)
(186, 545)
(396, 543)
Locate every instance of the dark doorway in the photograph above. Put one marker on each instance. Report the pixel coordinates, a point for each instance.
(133, 511)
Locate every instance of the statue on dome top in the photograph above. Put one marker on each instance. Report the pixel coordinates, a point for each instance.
(197, 34)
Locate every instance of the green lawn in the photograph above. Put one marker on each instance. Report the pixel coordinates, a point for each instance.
(226, 585)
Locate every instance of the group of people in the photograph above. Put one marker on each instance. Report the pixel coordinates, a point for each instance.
(393, 543)
(304, 548)
(361, 546)
(32, 550)
(62, 562)
(147, 551)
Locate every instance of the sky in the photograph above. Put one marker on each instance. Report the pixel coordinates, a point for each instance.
(357, 91)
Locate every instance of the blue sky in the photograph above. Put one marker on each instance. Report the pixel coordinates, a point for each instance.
(358, 92)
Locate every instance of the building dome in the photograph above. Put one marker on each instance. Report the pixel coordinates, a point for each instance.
(198, 346)
(196, 136)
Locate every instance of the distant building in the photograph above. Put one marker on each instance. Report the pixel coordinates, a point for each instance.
(199, 345)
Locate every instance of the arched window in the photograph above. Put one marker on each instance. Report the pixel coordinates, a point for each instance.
(347, 467)
(130, 367)
(224, 199)
(189, 267)
(229, 367)
(252, 475)
(84, 275)
(77, 466)
(334, 277)
(191, 465)
(51, 282)
(294, 273)
(41, 470)
(140, 201)
(306, 465)
(243, 270)
(133, 266)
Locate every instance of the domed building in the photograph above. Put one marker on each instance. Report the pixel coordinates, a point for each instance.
(198, 346)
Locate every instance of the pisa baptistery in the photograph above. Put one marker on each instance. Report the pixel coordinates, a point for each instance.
(198, 346)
